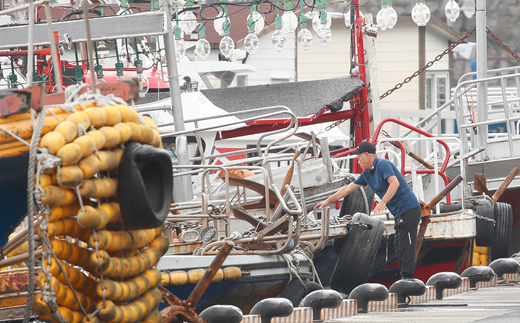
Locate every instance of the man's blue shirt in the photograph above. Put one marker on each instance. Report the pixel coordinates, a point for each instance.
(376, 178)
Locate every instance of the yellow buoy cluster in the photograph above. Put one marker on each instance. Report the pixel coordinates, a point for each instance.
(181, 277)
(480, 256)
(99, 267)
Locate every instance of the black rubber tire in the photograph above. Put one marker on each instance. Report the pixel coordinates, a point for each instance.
(503, 231)
(357, 256)
(145, 186)
(295, 291)
(337, 244)
(352, 204)
(355, 202)
(485, 229)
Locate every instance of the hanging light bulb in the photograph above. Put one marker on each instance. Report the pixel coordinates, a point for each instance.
(452, 10)
(324, 35)
(390, 16)
(202, 48)
(305, 38)
(251, 43)
(304, 35)
(144, 85)
(218, 24)
(324, 32)
(379, 18)
(180, 49)
(317, 21)
(227, 46)
(126, 55)
(279, 39)
(98, 68)
(387, 16)
(99, 74)
(258, 20)
(420, 13)
(188, 22)
(103, 53)
(289, 22)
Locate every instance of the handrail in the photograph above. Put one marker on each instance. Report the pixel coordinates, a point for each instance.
(458, 110)
(422, 132)
(285, 110)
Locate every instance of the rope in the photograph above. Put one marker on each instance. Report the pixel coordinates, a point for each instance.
(365, 199)
(234, 236)
(35, 139)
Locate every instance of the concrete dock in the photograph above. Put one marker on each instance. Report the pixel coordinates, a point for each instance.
(499, 304)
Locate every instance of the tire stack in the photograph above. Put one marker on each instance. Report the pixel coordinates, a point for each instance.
(97, 270)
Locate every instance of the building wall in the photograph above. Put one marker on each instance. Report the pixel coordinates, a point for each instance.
(273, 66)
(326, 62)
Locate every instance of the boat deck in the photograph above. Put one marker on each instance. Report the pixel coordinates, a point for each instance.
(495, 304)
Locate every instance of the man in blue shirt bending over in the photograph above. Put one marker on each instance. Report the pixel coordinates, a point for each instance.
(388, 183)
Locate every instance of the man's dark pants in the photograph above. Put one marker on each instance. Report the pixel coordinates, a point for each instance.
(405, 240)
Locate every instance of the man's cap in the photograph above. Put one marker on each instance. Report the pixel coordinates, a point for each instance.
(364, 147)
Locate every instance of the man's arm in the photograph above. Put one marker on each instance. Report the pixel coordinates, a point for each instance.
(342, 192)
(394, 185)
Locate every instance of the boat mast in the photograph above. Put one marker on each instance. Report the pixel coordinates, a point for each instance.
(481, 73)
(182, 188)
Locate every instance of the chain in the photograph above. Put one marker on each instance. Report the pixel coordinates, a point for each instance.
(331, 126)
(499, 41)
(485, 219)
(359, 224)
(428, 65)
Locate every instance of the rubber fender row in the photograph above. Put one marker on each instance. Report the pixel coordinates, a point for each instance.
(321, 299)
(181, 277)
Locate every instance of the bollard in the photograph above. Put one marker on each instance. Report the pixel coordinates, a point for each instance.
(321, 299)
(478, 274)
(272, 307)
(222, 313)
(505, 266)
(407, 287)
(367, 292)
(444, 280)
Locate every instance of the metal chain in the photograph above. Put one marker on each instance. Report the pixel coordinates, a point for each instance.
(428, 65)
(331, 126)
(361, 224)
(499, 41)
(485, 219)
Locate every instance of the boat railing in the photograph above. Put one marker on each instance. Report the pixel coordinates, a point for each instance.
(206, 157)
(434, 155)
(504, 111)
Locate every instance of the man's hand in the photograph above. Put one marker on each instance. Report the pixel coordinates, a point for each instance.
(321, 205)
(380, 208)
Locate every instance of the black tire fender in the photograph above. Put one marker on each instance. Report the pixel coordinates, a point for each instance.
(296, 292)
(352, 204)
(485, 229)
(355, 201)
(503, 230)
(357, 256)
(145, 186)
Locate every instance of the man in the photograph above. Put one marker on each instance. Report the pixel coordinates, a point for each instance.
(388, 183)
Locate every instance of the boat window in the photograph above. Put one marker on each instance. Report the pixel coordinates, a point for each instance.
(437, 89)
